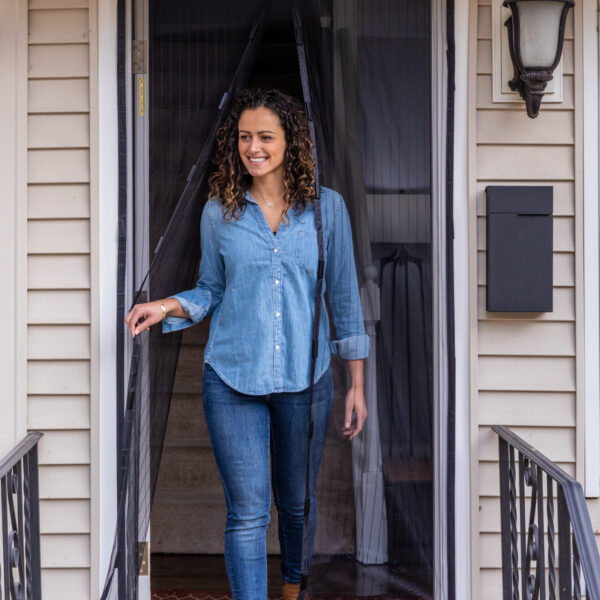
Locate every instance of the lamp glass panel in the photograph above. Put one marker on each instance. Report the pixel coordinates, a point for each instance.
(539, 25)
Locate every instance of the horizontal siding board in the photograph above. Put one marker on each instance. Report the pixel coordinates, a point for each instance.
(484, 22)
(58, 272)
(65, 551)
(485, 96)
(557, 443)
(58, 377)
(489, 486)
(526, 373)
(58, 201)
(65, 447)
(58, 95)
(58, 131)
(59, 61)
(563, 193)
(64, 481)
(563, 269)
(525, 162)
(563, 232)
(66, 584)
(58, 342)
(59, 236)
(57, 4)
(514, 338)
(543, 409)
(58, 412)
(515, 127)
(66, 26)
(484, 57)
(58, 306)
(65, 516)
(563, 308)
(58, 166)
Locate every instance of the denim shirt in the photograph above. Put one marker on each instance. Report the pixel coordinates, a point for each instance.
(261, 291)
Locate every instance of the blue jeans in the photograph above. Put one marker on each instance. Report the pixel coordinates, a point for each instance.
(242, 429)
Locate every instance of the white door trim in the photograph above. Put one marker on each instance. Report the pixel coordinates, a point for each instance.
(462, 496)
(591, 262)
(439, 90)
(106, 284)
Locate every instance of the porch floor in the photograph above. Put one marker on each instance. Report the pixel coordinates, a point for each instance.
(203, 577)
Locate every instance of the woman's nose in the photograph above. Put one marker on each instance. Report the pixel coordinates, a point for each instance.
(254, 145)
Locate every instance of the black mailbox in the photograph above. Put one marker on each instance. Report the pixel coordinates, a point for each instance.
(519, 248)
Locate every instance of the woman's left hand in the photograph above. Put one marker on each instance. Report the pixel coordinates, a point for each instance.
(355, 403)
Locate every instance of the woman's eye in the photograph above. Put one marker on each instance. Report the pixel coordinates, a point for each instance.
(266, 138)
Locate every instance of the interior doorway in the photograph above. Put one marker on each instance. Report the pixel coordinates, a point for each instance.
(371, 62)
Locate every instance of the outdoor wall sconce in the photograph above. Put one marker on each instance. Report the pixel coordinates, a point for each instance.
(536, 31)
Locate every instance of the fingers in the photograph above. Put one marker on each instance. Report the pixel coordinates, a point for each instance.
(142, 317)
(355, 404)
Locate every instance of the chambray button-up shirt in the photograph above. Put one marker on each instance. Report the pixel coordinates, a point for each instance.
(261, 291)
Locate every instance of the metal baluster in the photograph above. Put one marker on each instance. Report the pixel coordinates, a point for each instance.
(564, 546)
(541, 558)
(5, 552)
(523, 464)
(514, 541)
(18, 490)
(507, 577)
(32, 503)
(576, 571)
(551, 551)
(532, 581)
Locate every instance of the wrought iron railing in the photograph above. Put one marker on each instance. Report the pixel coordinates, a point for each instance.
(548, 546)
(20, 578)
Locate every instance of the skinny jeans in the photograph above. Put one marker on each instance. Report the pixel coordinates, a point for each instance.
(243, 429)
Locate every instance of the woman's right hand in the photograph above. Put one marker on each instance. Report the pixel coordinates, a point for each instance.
(143, 316)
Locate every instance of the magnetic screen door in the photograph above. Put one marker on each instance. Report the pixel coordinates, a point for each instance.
(369, 70)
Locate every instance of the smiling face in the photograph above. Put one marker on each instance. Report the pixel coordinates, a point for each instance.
(261, 142)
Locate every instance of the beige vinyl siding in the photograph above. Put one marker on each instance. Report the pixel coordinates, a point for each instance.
(58, 308)
(526, 365)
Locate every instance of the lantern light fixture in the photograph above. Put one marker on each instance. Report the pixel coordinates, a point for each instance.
(536, 31)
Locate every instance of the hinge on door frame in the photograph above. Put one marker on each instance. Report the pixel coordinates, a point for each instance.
(143, 557)
(138, 56)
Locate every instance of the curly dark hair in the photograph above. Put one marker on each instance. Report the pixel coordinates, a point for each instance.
(231, 180)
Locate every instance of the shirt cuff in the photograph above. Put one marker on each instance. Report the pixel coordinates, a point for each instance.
(196, 305)
(351, 348)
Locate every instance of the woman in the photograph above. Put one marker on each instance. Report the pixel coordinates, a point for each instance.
(258, 279)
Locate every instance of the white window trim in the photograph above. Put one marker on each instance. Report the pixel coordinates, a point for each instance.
(591, 249)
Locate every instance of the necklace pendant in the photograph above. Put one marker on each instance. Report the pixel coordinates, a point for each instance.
(269, 204)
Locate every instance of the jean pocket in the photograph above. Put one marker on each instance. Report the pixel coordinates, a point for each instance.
(307, 251)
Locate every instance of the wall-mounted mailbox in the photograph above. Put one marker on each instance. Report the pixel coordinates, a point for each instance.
(519, 248)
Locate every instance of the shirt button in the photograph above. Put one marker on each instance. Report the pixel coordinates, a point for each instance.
(277, 282)
(276, 250)
(277, 314)
(276, 346)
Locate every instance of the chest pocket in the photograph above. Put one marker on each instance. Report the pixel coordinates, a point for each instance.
(307, 251)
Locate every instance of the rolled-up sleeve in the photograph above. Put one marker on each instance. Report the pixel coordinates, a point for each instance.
(201, 301)
(342, 290)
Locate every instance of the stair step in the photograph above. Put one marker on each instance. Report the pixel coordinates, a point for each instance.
(186, 417)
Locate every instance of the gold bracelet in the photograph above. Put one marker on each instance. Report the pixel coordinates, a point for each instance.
(164, 309)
